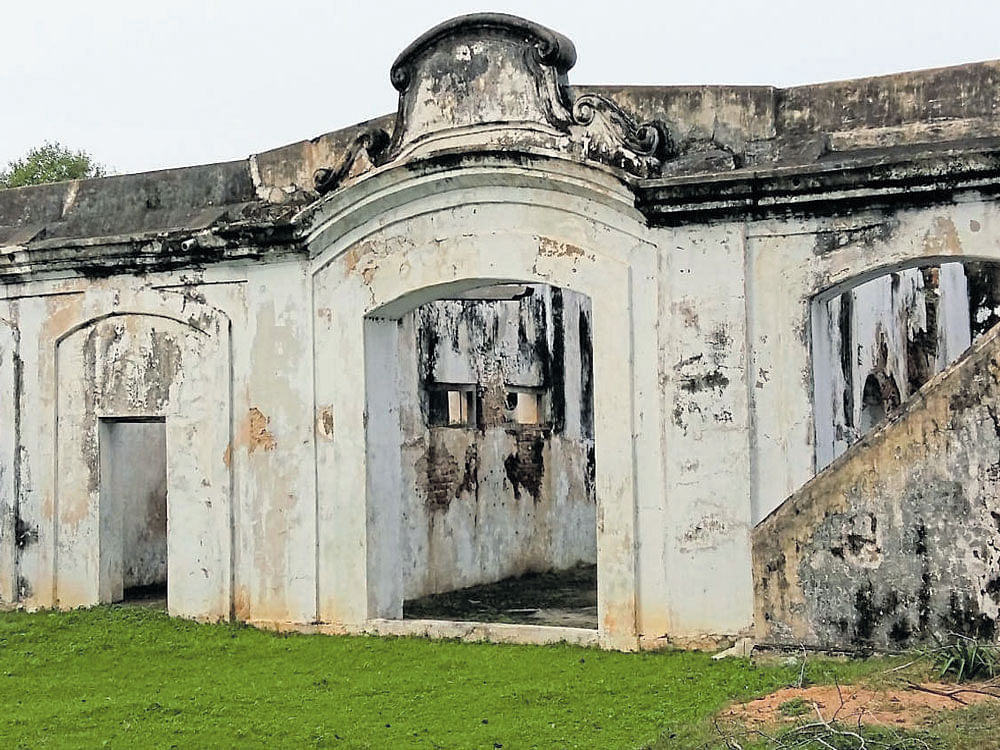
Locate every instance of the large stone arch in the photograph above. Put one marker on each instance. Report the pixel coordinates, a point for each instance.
(456, 238)
(790, 267)
(152, 355)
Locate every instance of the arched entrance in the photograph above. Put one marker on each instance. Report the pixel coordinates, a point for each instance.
(149, 379)
(480, 420)
(423, 251)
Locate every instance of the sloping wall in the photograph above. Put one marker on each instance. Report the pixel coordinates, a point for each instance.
(899, 538)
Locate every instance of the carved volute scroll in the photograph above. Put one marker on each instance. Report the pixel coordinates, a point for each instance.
(495, 82)
(608, 134)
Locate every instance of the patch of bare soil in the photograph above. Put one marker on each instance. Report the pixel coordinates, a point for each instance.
(902, 707)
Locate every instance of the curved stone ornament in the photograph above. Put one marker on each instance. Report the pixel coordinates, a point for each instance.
(551, 48)
(608, 134)
(368, 150)
(491, 82)
(482, 81)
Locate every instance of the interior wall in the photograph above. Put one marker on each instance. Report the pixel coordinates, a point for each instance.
(494, 499)
(133, 503)
(881, 341)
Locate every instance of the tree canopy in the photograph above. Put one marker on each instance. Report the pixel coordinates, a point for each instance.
(50, 162)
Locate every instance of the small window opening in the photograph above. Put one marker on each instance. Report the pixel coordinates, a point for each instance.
(452, 406)
(524, 407)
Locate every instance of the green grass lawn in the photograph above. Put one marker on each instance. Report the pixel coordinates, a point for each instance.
(129, 677)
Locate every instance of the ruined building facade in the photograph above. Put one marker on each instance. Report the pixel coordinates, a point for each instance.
(714, 340)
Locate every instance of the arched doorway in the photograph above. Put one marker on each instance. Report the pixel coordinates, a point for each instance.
(491, 403)
(443, 244)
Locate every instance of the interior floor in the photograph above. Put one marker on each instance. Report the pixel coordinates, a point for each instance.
(153, 596)
(564, 598)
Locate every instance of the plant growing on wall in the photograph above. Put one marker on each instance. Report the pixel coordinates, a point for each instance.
(50, 162)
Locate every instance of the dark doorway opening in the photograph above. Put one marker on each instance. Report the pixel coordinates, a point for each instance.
(498, 505)
(133, 527)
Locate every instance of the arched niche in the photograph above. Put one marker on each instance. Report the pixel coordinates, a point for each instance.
(154, 359)
(374, 275)
(879, 336)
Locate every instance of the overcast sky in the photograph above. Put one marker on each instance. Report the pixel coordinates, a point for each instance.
(147, 84)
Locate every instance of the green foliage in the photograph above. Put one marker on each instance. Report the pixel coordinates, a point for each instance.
(794, 707)
(963, 658)
(50, 162)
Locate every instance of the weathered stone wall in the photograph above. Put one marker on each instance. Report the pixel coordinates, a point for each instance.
(11, 532)
(188, 348)
(899, 538)
(494, 498)
(263, 322)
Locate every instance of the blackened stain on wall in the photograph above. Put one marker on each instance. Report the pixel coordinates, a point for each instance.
(525, 466)
(24, 533)
(984, 296)
(586, 375)
(557, 363)
(846, 352)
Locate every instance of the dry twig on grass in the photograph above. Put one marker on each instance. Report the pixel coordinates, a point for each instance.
(823, 733)
(990, 688)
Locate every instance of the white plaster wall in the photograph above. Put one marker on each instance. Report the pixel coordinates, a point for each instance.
(34, 564)
(273, 449)
(954, 327)
(701, 540)
(8, 448)
(462, 238)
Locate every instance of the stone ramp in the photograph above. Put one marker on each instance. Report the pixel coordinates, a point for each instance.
(898, 540)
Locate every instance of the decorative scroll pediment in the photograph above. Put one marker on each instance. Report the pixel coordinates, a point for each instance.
(494, 77)
(608, 134)
(491, 81)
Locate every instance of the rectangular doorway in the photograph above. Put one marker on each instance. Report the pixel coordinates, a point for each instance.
(133, 510)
